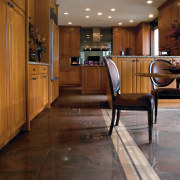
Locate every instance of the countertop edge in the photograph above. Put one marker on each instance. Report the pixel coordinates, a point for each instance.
(39, 63)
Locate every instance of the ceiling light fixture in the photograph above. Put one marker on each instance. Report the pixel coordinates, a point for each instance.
(69, 23)
(149, 2)
(151, 15)
(87, 35)
(109, 17)
(99, 13)
(66, 13)
(112, 9)
(87, 17)
(119, 23)
(131, 21)
(87, 9)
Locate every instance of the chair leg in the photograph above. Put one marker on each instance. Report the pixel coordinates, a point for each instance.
(118, 116)
(112, 121)
(156, 107)
(150, 124)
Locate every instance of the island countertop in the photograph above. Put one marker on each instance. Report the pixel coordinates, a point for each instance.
(160, 57)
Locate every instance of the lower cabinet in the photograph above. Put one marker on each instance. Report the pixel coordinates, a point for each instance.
(70, 76)
(94, 80)
(54, 90)
(38, 90)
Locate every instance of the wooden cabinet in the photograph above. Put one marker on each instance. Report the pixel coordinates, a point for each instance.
(38, 89)
(70, 76)
(17, 68)
(12, 73)
(123, 38)
(168, 13)
(144, 85)
(55, 90)
(69, 43)
(143, 39)
(20, 4)
(93, 80)
(127, 70)
(4, 79)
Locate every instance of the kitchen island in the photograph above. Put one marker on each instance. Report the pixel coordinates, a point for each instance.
(128, 66)
(92, 79)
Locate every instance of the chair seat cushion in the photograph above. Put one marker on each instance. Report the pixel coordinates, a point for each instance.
(134, 99)
(167, 92)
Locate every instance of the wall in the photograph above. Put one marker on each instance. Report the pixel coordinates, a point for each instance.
(168, 12)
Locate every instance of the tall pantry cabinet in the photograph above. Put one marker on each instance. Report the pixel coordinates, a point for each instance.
(12, 70)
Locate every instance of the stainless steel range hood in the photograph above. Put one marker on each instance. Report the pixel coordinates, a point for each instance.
(96, 45)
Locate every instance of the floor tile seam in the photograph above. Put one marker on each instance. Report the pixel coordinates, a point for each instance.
(42, 162)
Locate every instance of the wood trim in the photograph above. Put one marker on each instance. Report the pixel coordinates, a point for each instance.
(167, 3)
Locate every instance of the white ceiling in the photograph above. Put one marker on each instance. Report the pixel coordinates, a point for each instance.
(138, 10)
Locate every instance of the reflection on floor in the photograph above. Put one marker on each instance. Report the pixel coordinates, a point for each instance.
(69, 141)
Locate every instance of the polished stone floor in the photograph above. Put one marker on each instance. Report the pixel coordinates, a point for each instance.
(69, 141)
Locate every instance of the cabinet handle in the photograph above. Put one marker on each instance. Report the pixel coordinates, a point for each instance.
(34, 69)
(11, 5)
(44, 68)
(137, 60)
(44, 76)
(134, 60)
(33, 78)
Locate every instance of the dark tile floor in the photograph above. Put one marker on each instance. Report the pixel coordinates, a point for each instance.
(164, 153)
(68, 141)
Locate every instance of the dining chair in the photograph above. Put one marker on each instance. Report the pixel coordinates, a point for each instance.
(160, 66)
(129, 101)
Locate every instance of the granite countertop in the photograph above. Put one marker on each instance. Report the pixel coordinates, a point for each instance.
(146, 57)
(39, 63)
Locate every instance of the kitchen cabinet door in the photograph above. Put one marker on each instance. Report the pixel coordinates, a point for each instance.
(32, 106)
(20, 4)
(75, 41)
(44, 78)
(144, 84)
(16, 29)
(127, 71)
(4, 76)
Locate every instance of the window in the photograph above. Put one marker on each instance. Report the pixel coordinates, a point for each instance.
(156, 42)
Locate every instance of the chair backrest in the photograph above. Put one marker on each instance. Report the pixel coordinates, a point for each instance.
(113, 76)
(159, 66)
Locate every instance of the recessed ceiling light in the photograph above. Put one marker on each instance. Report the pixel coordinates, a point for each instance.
(149, 1)
(101, 35)
(131, 21)
(87, 9)
(99, 13)
(120, 23)
(112, 9)
(87, 35)
(85, 41)
(66, 13)
(87, 17)
(69, 22)
(109, 17)
(151, 15)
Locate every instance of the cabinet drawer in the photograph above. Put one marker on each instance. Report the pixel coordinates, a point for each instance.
(33, 69)
(20, 3)
(43, 69)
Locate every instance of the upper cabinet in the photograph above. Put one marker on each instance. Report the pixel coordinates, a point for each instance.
(69, 43)
(143, 39)
(20, 4)
(123, 38)
(168, 13)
